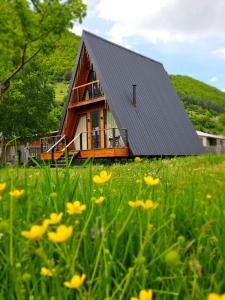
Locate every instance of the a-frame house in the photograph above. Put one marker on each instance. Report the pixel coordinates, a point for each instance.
(120, 104)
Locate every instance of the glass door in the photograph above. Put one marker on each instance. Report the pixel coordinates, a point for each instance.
(95, 130)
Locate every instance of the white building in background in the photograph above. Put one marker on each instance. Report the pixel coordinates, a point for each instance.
(212, 142)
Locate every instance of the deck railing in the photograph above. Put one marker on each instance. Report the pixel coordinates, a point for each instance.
(100, 139)
(49, 141)
(215, 149)
(87, 91)
(34, 152)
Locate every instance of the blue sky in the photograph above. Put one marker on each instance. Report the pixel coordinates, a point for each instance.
(187, 36)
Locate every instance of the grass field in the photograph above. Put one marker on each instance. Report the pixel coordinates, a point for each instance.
(116, 241)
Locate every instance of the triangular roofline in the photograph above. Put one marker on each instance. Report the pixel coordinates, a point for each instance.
(84, 43)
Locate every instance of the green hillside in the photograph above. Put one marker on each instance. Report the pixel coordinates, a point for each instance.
(204, 104)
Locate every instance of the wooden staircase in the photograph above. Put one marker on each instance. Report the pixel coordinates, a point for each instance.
(57, 152)
(63, 160)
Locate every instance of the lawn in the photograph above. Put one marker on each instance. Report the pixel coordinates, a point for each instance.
(115, 242)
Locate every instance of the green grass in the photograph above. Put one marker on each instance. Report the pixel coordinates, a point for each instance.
(176, 249)
(61, 89)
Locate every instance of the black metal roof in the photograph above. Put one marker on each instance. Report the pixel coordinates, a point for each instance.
(158, 125)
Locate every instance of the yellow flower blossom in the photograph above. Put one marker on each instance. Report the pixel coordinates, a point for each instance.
(62, 234)
(75, 282)
(35, 233)
(136, 203)
(208, 196)
(55, 218)
(16, 193)
(46, 272)
(144, 295)
(214, 296)
(99, 200)
(149, 204)
(149, 180)
(75, 208)
(102, 178)
(2, 187)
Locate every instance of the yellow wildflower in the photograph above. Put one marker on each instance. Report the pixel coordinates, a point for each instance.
(136, 203)
(55, 218)
(75, 208)
(35, 233)
(46, 272)
(75, 282)
(208, 196)
(62, 234)
(99, 200)
(144, 295)
(16, 193)
(102, 178)
(149, 180)
(214, 296)
(149, 204)
(2, 187)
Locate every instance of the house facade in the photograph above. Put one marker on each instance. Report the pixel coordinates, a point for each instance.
(120, 104)
(211, 142)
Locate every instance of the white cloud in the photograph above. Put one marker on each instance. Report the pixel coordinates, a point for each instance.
(219, 52)
(77, 29)
(163, 20)
(214, 79)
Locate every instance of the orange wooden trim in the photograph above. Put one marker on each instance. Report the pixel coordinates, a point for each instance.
(89, 83)
(101, 153)
(48, 156)
(86, 102)
(102, 127)
(87, 109)
(89, 129)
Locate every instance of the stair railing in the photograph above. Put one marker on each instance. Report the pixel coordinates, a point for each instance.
(53, 146)
(73, 140)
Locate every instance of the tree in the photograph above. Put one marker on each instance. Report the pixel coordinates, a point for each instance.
(29, 27)
(25, 107)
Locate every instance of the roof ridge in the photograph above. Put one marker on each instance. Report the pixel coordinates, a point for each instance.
(122, 47)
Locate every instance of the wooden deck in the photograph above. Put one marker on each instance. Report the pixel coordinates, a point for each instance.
(97, 153)
(104, 153)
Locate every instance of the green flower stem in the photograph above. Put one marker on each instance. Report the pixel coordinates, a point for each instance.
(11, 231)
(122, 230)
(81, 238)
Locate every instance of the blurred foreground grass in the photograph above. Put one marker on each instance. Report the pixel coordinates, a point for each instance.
(176, 248)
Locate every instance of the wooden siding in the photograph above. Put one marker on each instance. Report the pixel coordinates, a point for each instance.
(104, 153)
(48, 156)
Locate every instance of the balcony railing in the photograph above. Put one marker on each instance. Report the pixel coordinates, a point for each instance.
(87, 91)
(100, 139)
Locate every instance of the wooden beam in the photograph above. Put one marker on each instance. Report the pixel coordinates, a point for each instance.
(102, 127)
(89, 129)
(86, 102)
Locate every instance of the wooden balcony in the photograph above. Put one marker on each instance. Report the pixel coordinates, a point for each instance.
(87, 94)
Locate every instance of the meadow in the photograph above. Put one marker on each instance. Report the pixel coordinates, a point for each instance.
(148, 229)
